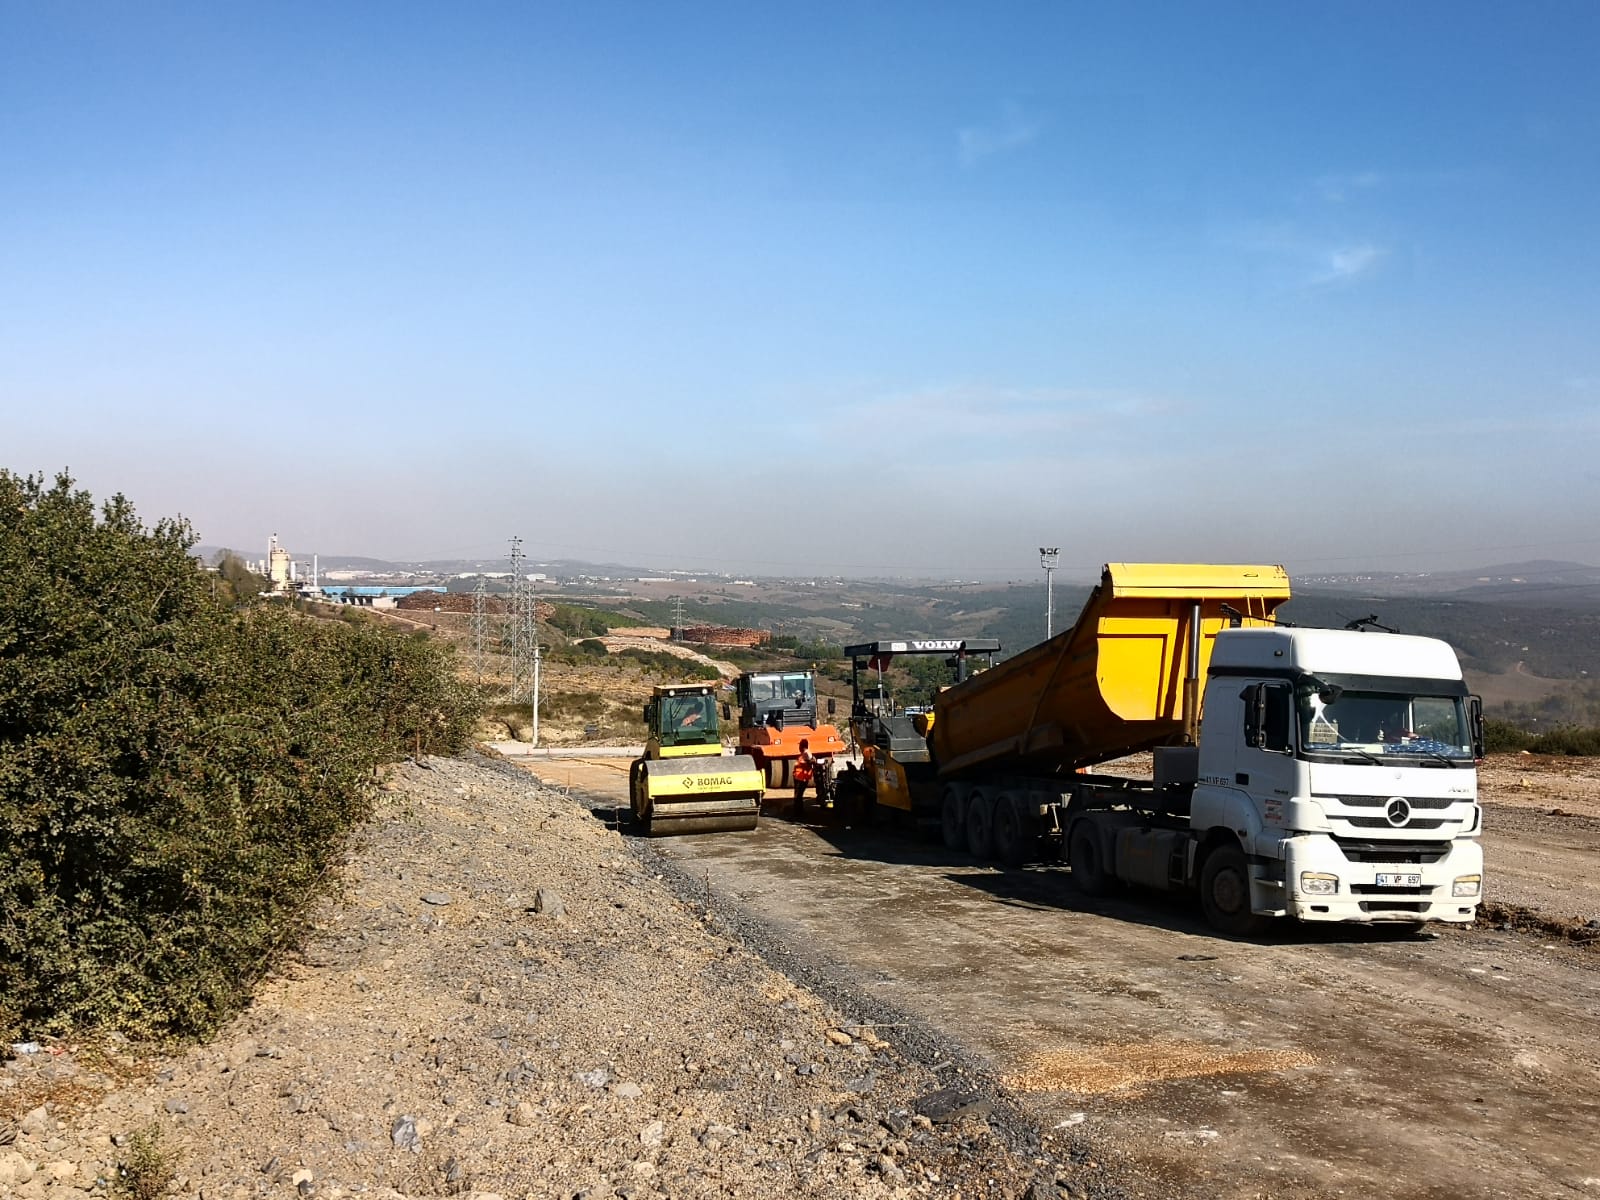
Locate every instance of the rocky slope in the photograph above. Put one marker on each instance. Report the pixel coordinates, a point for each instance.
(510, 998)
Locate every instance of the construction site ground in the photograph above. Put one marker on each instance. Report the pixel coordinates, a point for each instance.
(508, 999)
(1317, 1061)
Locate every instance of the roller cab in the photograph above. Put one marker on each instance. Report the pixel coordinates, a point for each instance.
(778, 711)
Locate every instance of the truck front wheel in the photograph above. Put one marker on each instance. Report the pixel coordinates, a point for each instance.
(1225, 893)
(1010, 836)
(953, 818)
(980, 826)
(1089, 872)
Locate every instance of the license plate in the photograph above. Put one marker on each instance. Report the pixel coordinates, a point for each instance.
(1405, 881)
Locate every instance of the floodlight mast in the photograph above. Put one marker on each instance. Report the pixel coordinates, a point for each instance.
(1047, 559)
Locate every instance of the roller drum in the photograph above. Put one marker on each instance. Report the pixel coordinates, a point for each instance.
(702, 794)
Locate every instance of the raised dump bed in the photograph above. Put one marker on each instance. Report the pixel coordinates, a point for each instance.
(1126, 677)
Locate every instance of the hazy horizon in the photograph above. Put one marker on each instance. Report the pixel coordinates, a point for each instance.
(1068, 573)
(872, 291)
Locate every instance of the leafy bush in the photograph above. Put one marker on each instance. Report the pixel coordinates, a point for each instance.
(148, 1167)
(818, 651)
(671, 665)
(242, 583)
(592, 648)
(578, 622)
(1504, 737)
(588, 706)
(1570, 740)
(176, 775)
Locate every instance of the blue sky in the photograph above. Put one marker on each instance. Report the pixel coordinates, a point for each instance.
(894, 288)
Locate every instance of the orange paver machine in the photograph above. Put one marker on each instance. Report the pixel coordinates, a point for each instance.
(777, 711)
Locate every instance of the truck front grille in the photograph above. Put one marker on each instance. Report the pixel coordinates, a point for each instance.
(1372, 889)
(1383, 823)
(1422, 802)
(1392, 852)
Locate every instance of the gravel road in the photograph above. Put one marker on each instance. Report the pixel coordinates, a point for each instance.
(510, 999)
(1316, 1062)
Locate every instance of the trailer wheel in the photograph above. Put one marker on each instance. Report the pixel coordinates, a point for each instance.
(952, 817)
(1225, 893)
(980, 826)
(1088, 864)
(1010, 838)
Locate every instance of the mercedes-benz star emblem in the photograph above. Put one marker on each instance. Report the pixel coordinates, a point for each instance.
(1398, 812)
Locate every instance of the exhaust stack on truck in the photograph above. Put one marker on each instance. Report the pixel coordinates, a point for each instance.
(1333, 777)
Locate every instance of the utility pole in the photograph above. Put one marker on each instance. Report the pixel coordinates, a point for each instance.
(524, 637)
(534, 736)
(480, 628)
(521, 656)
(1047, 559)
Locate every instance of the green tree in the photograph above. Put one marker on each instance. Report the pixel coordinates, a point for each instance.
(928, 674)
(241, 582)
(176, 774)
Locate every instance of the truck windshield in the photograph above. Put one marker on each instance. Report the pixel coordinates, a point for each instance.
(1371, 723)
(795, 690)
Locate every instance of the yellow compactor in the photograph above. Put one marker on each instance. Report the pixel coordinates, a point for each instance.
(685, 783)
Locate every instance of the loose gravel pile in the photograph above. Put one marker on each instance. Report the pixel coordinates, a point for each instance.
(509, 999)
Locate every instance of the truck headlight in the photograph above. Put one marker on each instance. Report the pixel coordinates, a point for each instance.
(1467, 885)
(1316, 883)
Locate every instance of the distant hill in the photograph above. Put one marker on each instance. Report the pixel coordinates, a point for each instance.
(1534, 619)
(1540, 582)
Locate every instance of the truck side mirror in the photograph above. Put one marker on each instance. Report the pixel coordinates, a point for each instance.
(647, 714)
(1475, 716)
(727, 711)
(831, 706)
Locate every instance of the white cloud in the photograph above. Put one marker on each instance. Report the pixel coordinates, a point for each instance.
(1342, 264)
(997, 414)
(1312, 261)
(1012, 131)
(1337, 188)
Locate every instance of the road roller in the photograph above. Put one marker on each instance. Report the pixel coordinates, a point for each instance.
(685, 783)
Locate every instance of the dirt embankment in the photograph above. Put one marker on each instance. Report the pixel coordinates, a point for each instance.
(513, 1000)
(616, 643)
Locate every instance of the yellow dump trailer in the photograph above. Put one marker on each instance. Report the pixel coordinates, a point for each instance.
(1125, 677)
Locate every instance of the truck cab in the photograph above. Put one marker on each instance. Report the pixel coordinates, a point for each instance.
(1336, 778)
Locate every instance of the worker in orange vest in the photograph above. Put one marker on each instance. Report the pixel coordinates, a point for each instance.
(804, 769)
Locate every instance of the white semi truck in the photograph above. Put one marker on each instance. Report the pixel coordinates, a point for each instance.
(1333, 777)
